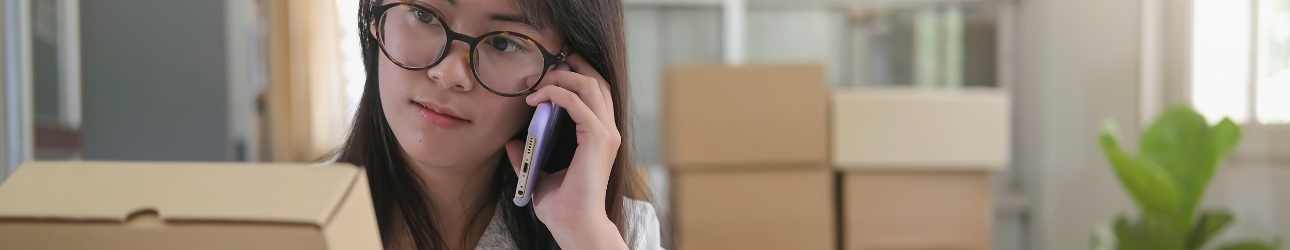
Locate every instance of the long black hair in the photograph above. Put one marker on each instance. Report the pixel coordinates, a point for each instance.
(591, 28)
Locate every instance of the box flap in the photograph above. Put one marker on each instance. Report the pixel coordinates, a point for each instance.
(284, 193)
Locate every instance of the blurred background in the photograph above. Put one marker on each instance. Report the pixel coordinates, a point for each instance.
(278, 80)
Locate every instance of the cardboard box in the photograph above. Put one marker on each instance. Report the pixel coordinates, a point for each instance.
(717, 116)
(910, 129)
(751, 210)
(123, 205)
(909, 211)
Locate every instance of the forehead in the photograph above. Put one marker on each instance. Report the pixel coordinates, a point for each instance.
(480, 5)
(527, 13)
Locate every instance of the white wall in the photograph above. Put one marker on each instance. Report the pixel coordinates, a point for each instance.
(245, 61)
(1078, 65)
(17, 60)
(4, 149)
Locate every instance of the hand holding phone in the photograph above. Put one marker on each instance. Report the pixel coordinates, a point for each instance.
(545, 148)
(570, 200)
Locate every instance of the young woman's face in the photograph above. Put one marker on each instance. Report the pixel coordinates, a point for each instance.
(442, 116)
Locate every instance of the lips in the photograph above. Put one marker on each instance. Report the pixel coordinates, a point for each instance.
(439, 115)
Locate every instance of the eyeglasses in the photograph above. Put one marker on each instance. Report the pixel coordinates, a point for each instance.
(417, 38)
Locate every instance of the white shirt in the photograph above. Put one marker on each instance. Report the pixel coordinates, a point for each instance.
(642, 229)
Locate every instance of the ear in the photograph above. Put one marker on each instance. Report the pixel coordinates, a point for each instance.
(515, 151)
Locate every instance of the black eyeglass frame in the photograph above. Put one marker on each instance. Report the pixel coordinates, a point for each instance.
(549, 60)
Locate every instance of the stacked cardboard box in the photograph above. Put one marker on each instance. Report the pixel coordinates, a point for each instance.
(916, 166)
(916, 210)
(123, 205)
(747, 148)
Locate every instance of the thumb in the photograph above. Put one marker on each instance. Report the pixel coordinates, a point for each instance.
(515, 151)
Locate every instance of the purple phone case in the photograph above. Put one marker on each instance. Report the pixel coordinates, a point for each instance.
(537, 147)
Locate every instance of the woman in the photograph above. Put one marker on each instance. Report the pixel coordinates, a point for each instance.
(450, 85)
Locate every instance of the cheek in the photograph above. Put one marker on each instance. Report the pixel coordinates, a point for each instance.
(397, 84)
(512, 116)
(390, 83)
(396, 90)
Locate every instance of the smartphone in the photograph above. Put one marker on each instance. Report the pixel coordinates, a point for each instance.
(548, 147)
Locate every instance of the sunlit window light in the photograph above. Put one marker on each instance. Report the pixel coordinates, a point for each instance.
(351, 56)
(1274, 99)
(1272, 96)
(1221, 60)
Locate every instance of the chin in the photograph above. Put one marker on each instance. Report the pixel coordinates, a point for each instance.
(429, 154)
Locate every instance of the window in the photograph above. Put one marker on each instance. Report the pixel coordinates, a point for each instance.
(1241, 60)
(351, 57)
(1273, 89)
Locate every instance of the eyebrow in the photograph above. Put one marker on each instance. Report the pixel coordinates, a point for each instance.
(520, 19)
(452, 2)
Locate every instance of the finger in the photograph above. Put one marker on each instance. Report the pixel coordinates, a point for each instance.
(579, 64)
(578, 110)
(585, 87)
(608, 116)
(515, 151)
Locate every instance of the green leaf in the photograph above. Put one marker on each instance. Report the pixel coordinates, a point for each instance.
(1226, 135)
(1128, 237)
(1148, 184)
(1208, 226)
(1164, 229)
(1250, 245)
(1179, 154)
(1179, 142)
(1150, 232)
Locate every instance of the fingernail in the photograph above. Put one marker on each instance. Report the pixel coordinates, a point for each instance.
(563, 66)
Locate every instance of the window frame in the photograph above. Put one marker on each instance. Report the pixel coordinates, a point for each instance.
(1166, 78)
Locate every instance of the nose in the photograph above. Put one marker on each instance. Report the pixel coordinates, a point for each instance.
(453, 72)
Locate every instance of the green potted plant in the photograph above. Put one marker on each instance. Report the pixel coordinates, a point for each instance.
(1178, 155)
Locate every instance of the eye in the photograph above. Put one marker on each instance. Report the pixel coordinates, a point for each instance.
(423, 16)
(503, 44)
